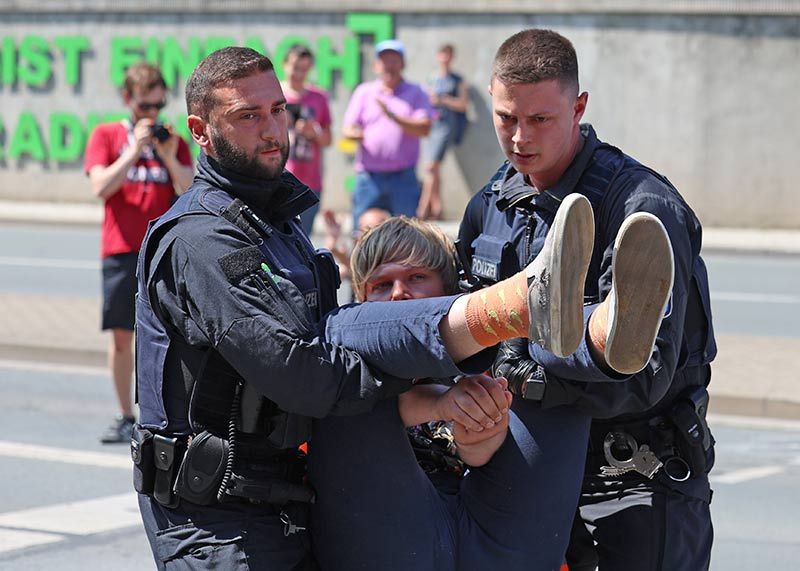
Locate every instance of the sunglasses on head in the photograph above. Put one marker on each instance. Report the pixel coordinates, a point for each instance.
(150, 106)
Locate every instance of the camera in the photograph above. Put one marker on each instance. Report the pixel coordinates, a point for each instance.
(160, 132)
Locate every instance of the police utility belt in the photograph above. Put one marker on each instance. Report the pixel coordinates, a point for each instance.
(205, 469)
(675, 444)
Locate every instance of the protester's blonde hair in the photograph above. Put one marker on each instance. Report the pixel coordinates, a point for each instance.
(406, 241)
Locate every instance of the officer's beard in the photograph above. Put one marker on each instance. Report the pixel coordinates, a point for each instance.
(237, 159)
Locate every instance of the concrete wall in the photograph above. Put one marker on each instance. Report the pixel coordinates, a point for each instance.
(708, 99)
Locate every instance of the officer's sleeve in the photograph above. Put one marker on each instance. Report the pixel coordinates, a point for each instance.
(258, 333)
(577, 380)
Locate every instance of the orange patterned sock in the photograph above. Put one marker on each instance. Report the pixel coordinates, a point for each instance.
(499, 312)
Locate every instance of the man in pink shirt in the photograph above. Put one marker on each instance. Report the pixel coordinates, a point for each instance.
(387, 117)
(310, 124)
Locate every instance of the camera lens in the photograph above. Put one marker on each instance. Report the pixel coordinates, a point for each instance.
(159, 132)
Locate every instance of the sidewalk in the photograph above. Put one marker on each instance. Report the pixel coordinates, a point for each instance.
(62, 329)
(714, 239)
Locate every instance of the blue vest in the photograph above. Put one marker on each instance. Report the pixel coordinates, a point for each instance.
(206, 382)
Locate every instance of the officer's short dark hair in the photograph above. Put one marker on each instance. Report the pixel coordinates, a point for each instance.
(536, 55)
(405, 241)
(218, 69)
(299, 51)
(143, 77)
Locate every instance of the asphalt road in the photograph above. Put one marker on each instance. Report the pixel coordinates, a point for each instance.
(750, 294)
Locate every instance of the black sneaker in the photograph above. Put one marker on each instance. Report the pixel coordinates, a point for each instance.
(118, 431)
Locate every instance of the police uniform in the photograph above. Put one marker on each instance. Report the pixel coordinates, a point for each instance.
(637, 523)
(233, 361)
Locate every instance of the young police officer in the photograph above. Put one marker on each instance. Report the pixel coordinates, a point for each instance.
(646, 494)
(233, 342)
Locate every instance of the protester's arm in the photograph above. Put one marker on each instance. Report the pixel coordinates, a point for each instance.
(476, 402)
(106, 180)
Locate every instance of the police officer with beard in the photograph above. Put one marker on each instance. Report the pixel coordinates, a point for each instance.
(232, 358)
(645, 496)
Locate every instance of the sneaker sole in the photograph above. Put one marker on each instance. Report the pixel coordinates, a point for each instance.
(643, 271)
(556, 310)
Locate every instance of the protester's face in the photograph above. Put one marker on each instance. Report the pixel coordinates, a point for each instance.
(146, 104)
(537, 126)
(389, 67)
(396, 282)
(247, 127)
(295, 69)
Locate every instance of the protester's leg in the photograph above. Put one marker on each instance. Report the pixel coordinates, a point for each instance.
(623, 328)
(517, 510)
(404, 192)
(398, 336)
(120, 362)
(430, 201)
(375, 507)
(119, 294)
(647, 527)
(234, 537)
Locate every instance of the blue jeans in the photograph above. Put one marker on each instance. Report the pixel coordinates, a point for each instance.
(396, 191)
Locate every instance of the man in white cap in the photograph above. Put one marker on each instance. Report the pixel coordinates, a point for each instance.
(387, 116)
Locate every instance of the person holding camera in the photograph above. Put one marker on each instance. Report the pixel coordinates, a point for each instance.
(309, 124)
(136, 166)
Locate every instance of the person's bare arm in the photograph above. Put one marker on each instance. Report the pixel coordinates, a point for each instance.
(353, 132)
(313, 131)
(458, 103)
(416, 127)
(107, 180)
(180, 174)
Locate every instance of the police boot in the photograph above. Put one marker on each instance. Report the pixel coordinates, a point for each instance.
(642, 272)
(556, 278)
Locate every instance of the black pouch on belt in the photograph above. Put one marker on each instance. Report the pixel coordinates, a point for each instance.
(144, 469)
(167, 454)
(692, 436)
(202, 469)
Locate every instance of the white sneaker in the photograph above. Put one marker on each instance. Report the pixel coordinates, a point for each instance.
(642, 270)
(557, 276)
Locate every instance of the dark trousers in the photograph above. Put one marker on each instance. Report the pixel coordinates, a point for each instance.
(640, 526)
(235, 537)
(376, 509)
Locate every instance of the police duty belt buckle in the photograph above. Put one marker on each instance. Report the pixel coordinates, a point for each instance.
(639, 459)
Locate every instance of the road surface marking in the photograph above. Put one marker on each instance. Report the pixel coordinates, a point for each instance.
(754, 297)
(65, 455)
(64, 264)
(35, 526)
(53, 368)
(11, 539)
(746, 474)
(758, 422)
